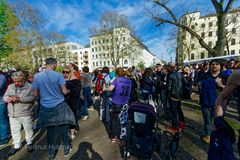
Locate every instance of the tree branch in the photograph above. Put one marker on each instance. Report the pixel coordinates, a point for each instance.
(229, 5)
(167, 9)
(217, 6)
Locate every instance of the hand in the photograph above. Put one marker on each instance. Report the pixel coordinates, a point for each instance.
(219, 81)
(9, 99)
(214, 128)
(218, 111)
(17, 99)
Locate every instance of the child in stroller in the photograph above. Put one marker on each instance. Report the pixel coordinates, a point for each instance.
(139, 130)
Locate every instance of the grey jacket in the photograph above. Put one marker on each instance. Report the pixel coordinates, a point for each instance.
(24, 108)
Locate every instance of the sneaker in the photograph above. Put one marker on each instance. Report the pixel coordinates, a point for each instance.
(12, 152)
(91, 108)
(67, 153)
(113, 140)
(29, 147)
(72, 136)
(182, 124)
(206, 139)
(85, 118)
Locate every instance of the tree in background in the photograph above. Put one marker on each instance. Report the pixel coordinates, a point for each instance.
(113, 38)
(8, 37)
(222, 8)
(36, 43)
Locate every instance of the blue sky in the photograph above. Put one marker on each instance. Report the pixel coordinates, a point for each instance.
(73, 18)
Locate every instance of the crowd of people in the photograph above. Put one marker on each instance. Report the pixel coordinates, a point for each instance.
(63, 98)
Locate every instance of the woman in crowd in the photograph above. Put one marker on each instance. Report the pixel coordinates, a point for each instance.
(147, 84)
(133, 94)
(73, 99)
(86, 79)
(187, 83)
(121, 88)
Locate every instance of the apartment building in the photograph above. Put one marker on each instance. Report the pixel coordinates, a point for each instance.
(206, 26)
(120, 47)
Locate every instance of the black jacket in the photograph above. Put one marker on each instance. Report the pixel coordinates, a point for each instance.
(147, 84)
(174, 84)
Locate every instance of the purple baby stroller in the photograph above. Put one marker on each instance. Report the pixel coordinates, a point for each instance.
(138, 131)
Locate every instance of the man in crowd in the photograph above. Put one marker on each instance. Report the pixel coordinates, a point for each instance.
(174, 92)
(20, 102)
(208, 94)
(4, 125)
(54, 113)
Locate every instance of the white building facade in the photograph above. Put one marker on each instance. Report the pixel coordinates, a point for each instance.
(206, 26)
(121, 43)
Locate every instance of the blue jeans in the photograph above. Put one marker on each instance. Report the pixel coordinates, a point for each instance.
(4, 123)
(87, 100)
(56, 135)
(207, 113)
(164, 99)
(177, 113)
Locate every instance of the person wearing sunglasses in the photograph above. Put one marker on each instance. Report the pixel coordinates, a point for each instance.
(73, 99)
(20, 103)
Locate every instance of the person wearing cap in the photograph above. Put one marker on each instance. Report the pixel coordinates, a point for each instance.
(20, 103)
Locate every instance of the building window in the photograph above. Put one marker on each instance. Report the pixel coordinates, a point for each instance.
(100, 63)
(92, 43)
(192, 36)
(92, 49)
(203, 34)
(203, 25)
(210, 33)
(210, 24)
(96, 56)
(93, 63)
(92, 56)
(210, 44)
(104, 63)
(192, 55)
(95, 42)
(125, 62)
(108, 63)
(202, 55)
(124, 38)
(234, 31)
(232, 52)
(233, 41)
(97, 64)
(234, 20)
(192, 46)
(225, 53)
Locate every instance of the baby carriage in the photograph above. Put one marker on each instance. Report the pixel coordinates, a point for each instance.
(138, 130)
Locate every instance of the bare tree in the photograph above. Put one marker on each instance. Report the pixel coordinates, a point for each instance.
(115, 37)
(221, 9)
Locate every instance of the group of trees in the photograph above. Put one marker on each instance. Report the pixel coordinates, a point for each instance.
(22, 29)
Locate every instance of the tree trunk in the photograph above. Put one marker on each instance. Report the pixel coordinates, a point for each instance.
(221, 34)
